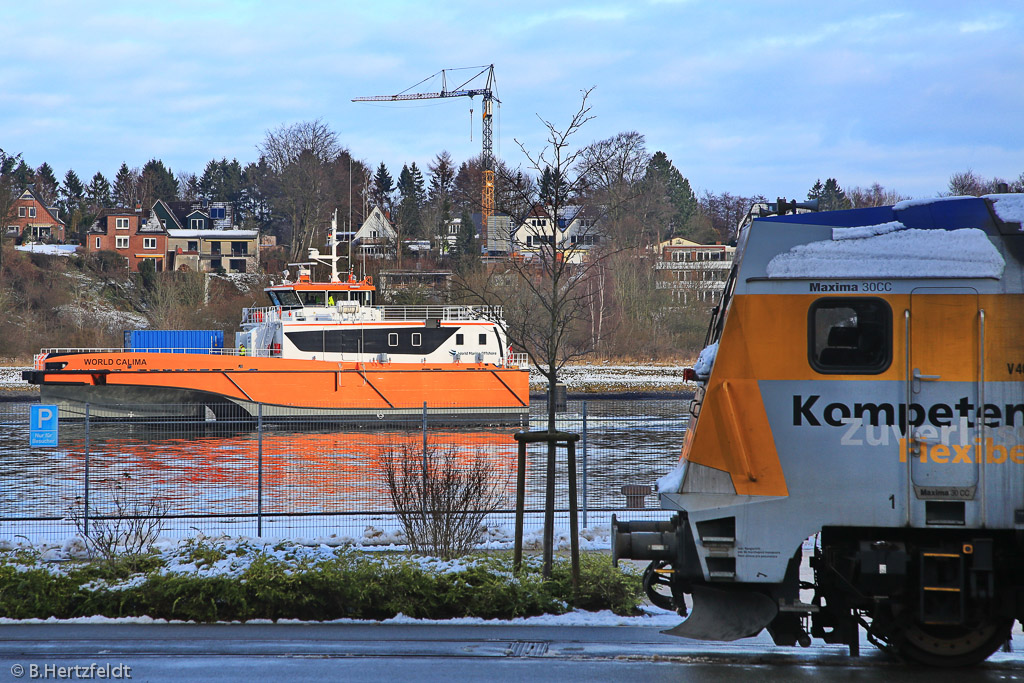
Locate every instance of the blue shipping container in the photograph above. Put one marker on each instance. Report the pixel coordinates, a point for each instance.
(174, 341)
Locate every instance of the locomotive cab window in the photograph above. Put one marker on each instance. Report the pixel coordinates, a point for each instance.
(850, 336)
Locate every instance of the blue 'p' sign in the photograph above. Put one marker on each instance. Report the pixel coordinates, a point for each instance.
(43, 425)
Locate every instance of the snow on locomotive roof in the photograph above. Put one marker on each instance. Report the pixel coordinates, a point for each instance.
(891, 250)
(1009, 207)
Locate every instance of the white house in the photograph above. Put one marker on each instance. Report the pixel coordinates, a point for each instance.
(375, 237)
(574, 232)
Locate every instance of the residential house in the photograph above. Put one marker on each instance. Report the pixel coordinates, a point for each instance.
(213, 251)
(33, 221)
(201, 237)
(573, 233)
(375, 238)
(125, 232)
(691, 271)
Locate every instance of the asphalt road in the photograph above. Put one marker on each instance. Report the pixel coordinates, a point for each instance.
(388, 652)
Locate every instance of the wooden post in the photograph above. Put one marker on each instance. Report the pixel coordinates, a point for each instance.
(517, 558)
(574, 526)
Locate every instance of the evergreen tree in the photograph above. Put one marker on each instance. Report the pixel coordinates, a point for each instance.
(157, 182)
(833, 198)
(383, 186)
(23, 175)
(410, 188)
(46, 184)
(254, 209)
(98, 193)
(662, 176)
(72, 193)
(125, 191)
(221, 181)
(817, 191)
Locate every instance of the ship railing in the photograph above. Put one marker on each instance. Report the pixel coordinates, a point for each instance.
(517, 360)
(39, 361)
(446, 313)
(265, 314)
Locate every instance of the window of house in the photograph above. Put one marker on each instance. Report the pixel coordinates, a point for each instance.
(417, 339)
(849, 336)
(121, 223)
(458, 339)
(217, 212)
(149, 243)
(98, 243)
(121, 243)
(196, 224)
(31, 212)
(193, 245)
(392, 339)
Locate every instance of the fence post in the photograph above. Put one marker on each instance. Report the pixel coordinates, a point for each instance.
(574, 526)
(517, 555)
(86, 508)
(425, 444)
(259, 470)
(583, 455)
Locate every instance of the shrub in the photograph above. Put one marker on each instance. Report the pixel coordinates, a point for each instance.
(440, 501)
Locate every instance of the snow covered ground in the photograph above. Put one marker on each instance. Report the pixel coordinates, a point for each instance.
(606, 377)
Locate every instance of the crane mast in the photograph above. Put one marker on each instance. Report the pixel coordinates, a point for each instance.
(487, 156)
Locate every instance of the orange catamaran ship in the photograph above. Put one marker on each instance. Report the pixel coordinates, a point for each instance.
(321, 348)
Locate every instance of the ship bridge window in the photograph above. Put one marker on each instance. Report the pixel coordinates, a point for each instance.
(286, 298)
(850, 336)
(337, 296)
(313, 298)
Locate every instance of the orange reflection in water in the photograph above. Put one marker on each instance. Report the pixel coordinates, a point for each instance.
(301, 472)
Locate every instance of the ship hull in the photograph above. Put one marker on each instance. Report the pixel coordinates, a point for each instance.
(211, 386)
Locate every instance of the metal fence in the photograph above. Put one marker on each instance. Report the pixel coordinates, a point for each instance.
(310, 478)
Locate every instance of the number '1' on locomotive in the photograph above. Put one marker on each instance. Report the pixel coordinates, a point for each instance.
(861, 393)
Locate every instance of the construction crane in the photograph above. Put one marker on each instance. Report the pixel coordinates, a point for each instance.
(487, 93)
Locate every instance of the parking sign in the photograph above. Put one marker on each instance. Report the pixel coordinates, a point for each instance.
(43, 426)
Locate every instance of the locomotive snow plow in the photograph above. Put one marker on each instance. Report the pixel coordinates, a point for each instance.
(861, 395)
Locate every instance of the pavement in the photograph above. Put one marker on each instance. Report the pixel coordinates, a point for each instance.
(371, 651)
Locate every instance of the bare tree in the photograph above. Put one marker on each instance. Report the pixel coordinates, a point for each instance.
(545, 287)
(300, 157)
(875, 195)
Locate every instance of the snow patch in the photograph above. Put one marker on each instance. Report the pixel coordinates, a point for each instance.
(705, 361)
(49, 249)
(1009, 207)
(908, 253)
(866, 231)
(673, 481)
(908, 203)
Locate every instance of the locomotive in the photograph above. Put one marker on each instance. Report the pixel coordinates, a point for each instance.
(861, 395)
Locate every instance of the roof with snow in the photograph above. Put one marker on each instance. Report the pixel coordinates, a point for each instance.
(946, 237)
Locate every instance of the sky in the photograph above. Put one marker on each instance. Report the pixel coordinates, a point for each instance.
(751, 98)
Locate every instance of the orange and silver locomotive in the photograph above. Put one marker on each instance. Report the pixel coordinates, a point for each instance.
(862, 387)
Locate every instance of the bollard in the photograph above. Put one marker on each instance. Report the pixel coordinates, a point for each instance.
(635, 495)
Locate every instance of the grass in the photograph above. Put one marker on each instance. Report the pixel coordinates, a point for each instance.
(258, 583)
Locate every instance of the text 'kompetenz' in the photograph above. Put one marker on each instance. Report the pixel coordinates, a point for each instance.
(807, 412)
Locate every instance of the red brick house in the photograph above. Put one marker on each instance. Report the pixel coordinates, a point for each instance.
(33, 221)
(126, 232)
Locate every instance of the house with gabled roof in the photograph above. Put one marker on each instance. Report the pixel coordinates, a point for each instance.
(572, 233)
(125, 232)
(375, 238)
(33, 221)
(202, 237)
